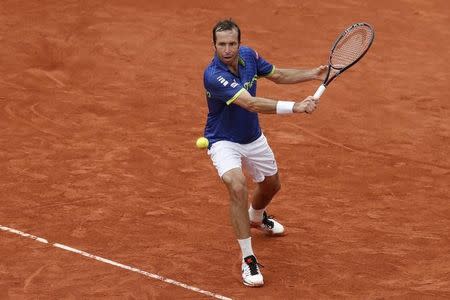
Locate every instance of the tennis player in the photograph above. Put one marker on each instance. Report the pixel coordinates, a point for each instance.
(236, 139)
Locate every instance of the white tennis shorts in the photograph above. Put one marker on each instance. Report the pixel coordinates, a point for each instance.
(256, 157)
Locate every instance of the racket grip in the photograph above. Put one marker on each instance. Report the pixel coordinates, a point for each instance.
(319, 92)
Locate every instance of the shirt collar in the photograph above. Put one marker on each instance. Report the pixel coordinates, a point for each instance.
(241, 61)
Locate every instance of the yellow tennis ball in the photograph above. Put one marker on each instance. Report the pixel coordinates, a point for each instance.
(202, 143)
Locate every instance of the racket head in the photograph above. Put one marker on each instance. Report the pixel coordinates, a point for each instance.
(350, 46)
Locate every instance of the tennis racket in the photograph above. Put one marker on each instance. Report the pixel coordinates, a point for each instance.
(347, 50)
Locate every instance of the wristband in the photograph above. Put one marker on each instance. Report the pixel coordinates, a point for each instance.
(285, 107)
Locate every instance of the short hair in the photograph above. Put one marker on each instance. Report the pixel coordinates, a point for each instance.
(225, 25)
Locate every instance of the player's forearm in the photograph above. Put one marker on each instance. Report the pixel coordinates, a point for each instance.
(262, 105)
(269, 106)
(288, 76)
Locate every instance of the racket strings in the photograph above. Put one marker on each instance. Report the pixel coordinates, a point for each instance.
(351, 47)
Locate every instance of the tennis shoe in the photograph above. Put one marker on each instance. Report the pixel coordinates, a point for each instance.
(251, 274)
(269, 226)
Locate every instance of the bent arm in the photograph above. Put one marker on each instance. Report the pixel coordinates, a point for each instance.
(269, 106)
(297, 75)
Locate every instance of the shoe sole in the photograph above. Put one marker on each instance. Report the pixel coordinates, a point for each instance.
(252, 284)
(268, 233)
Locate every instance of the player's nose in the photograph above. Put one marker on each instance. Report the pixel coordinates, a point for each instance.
(228, 48)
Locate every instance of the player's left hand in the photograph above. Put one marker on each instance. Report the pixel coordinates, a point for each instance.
(320, 72)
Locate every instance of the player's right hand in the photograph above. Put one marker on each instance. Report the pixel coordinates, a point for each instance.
(307, 106)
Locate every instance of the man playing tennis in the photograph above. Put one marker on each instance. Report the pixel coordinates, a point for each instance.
(235, 137)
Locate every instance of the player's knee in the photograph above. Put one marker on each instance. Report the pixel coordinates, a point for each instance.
(236, 185)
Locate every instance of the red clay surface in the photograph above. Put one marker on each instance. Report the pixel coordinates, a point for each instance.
(100, 106)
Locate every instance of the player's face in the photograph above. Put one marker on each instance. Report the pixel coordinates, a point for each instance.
(227, 46)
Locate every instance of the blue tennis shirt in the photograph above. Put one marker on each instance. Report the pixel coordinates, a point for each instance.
(228, 121)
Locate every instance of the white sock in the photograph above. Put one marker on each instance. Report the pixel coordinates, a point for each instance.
(256, 215)
(246, 247)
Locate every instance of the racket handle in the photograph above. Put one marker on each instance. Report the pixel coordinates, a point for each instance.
(319, 92)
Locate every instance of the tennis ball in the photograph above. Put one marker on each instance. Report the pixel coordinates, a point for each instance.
(202, 143)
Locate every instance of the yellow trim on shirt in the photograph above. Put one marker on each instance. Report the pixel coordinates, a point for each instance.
(235, 96)
(270, 73)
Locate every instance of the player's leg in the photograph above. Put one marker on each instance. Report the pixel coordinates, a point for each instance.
(265, 191)
(260, 161)
(226, 158)
(263, 194)
(237, 190)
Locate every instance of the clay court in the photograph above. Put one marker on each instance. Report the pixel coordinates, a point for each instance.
(100, 106)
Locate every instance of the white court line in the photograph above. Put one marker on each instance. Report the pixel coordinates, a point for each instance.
(113, 263)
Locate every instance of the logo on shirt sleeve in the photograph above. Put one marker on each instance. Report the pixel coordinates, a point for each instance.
(222, 80)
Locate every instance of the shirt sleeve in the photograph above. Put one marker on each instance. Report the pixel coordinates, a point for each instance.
(223, 87)
(264, 68)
